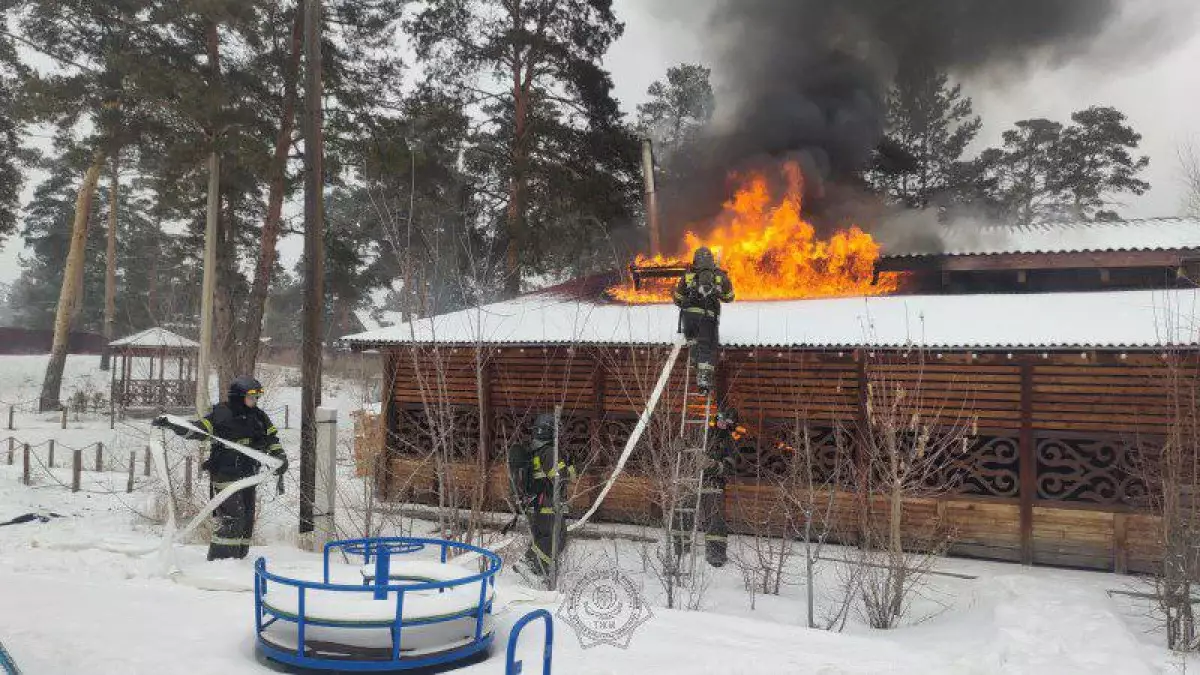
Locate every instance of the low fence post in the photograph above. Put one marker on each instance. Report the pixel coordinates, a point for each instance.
(50, 463)
(64, 418)
(25, 471)
(187, 476)
(11, 442)
(99, 456)
(146, 468)
(76, 470)
(132, 458)
(287, 418)
(10, 417)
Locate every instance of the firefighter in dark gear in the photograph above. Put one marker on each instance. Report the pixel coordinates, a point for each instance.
(532, 472)
(723, 436)
(699, 295)
(238, 419)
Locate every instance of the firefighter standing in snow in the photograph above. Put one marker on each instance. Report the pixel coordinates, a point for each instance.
(532, 471)
(723, 436)
(240, 420)
(699, 295)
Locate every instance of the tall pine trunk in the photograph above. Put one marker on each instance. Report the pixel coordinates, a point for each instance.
(110, 261)
(257, 308)
(72, 284)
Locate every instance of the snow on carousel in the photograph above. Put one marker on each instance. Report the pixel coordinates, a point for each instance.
(406, 611)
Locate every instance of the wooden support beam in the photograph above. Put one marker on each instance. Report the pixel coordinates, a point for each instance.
(1120, 543)
(1022, 277)
(388, 413)
(1027, 463)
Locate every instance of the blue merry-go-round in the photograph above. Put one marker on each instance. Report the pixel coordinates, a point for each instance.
(416, 606)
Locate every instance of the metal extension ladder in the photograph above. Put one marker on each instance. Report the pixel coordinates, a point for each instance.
(688, 475)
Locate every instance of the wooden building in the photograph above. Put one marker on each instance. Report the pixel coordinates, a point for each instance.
(1062, 393)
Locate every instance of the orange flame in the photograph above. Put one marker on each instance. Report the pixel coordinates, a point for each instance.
(772, 253)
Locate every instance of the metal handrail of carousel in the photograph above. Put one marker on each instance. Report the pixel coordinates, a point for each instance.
(380, 549)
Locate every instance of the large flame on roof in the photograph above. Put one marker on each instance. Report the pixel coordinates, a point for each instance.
(771, 252)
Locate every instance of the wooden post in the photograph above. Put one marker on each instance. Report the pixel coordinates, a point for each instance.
(51, 462)
(99, 456)
(11, 442)
(76, 469)
(132, 459)
(146, 466)
(1027, 463)
(485, 427)
(64, 417)
(10, 417)
(387, 413)
(1120, 543)
(187, 477)
(287, 417)
(25, 470)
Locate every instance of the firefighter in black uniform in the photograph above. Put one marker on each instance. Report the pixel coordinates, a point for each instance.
(532, 470)
(699, 295)
(240, 420)
(723, 436)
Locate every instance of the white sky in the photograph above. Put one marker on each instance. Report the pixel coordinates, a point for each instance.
(1160, 93)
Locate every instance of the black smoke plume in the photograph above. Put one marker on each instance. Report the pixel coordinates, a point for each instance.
(810, 77)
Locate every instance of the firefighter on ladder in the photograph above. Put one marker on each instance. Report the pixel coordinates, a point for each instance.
(723, 436)
(699, 295)
(532, 472)
(238, 419)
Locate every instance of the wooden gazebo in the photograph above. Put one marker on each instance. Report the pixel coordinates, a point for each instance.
(155, 371)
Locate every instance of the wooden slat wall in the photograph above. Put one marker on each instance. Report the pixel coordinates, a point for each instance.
(537, 379)
(446, 375)
(630, 376)
(821, 388)
(1082, 396)
(949, 393)
(1083, 393)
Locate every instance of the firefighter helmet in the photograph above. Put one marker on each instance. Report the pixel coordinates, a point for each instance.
(244, 386)
(703, 259)
(543, 428)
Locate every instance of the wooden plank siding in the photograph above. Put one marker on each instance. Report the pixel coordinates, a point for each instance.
(1049, 503)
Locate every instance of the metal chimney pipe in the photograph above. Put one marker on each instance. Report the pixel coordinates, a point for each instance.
(651, 197)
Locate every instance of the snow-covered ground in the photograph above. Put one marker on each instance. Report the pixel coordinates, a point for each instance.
(78, 595)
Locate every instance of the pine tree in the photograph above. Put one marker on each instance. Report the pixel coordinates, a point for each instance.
(555, 163)
(930, 123)
(678, 110)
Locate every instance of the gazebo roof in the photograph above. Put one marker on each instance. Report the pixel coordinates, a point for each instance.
(155, 338)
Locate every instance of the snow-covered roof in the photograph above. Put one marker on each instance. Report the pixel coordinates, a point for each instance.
(155, 337)
(1121, 319)
(1154, 234)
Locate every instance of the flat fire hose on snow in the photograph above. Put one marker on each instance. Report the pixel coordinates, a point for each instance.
(643, 422)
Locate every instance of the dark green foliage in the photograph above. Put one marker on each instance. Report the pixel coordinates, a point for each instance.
(930, 124)
(678, 111)
(555, 167)
(1046, 171)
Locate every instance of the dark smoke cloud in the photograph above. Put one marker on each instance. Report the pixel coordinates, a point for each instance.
(809, 77)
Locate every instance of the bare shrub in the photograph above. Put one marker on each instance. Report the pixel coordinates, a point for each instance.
(903, 455)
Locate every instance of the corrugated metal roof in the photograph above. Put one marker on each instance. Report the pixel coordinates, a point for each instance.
(155, 337)
(1108, 320)
(1154, 234)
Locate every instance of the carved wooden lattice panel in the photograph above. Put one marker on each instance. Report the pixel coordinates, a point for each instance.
(781, 442)
(989, 467)
(455, 429)
(1089, 470)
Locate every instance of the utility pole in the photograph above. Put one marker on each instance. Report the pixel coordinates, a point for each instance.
(208, 286)
(314, 268)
